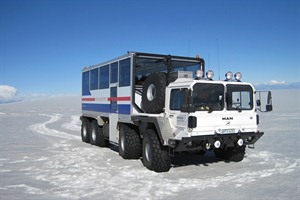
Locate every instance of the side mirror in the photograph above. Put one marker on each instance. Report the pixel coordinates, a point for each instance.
(269, 108)
(264, 101)
(269, 98)
(188, 108)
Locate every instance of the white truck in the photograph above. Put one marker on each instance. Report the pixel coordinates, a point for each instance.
(154, 106)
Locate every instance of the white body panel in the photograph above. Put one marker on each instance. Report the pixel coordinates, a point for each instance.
(209, 123)
(113, 128)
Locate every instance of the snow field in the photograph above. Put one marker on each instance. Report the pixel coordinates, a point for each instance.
(66, 168)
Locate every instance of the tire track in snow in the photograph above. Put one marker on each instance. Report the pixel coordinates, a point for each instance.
(28, 189)
(44, 130)
(73, 125)
(74, 172)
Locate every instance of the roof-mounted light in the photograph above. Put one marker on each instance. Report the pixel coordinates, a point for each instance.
(199, 74)
(210, 74)
(228, 76)
(238, 76)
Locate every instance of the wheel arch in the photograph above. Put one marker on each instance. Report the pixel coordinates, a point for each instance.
(100, 120)
(145, 123)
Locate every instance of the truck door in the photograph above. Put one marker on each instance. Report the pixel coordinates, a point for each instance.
(113, 116)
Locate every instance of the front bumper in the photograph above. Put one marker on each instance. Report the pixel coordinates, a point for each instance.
(205, 142)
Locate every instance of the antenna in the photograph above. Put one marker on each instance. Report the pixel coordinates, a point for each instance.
(189, 48)
(218, 58)
(208, 64)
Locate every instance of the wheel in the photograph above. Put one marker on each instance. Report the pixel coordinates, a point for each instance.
(96, 136)
(154, 157)
(235, 154)
(85, 130)
(153, 97)
(103, 142)
(130, 146)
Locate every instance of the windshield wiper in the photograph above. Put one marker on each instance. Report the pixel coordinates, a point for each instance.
(239, 109)
(210, 109)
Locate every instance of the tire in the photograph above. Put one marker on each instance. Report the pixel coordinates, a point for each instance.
(235, 154)
(154, 157)
(85, 130)
(153, 97)
(130, 146)
(103, 142)
(96, 136)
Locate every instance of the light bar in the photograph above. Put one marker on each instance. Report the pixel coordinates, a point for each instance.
(199, 74)
(210, 74)
(238, 76)
(228, 76)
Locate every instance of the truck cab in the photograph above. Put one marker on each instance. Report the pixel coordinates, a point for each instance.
(222, 112)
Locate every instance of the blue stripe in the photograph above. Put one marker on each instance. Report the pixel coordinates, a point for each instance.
(124, 109)
(106, 108)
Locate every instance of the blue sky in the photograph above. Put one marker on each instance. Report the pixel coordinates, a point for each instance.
(45, 44)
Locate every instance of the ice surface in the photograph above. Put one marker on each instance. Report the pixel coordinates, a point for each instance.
(42, 157)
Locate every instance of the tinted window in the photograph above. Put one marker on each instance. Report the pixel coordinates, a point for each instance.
(178, 97)
(104, 77)
(124, 75)
(94, 79)
(239, 97)
(113, 104)
(146, 66)
(185, 66)
(114, 72)
(208, 97)
(85, 83)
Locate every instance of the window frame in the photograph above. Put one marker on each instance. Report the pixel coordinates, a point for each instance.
(104, 77)
(94, 79)
(242, 88)
(123, 74)
(208, 101)
(183, 100)
(85, 83)
(114, 77)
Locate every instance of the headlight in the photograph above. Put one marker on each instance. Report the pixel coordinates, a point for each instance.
(210, 74)
(228, 76)
(238, 76)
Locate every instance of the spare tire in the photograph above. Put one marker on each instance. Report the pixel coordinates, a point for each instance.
(153, 97)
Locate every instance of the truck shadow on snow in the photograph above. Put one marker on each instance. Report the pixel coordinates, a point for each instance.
(187, 158)
(196, 159)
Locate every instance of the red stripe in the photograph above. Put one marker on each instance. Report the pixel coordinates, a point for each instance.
(88, 99)
(118, 99)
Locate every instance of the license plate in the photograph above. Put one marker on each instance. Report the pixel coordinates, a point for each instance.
(227, 131)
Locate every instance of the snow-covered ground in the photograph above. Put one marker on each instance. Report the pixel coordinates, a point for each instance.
(42, 157)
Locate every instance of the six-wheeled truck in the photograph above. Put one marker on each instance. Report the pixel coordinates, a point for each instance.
(154, 106)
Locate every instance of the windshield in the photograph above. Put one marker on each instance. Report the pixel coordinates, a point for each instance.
(148, 65)
(208, 97)
(239, 97)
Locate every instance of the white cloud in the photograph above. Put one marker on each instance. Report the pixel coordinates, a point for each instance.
(275, 82)
(8, 94)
